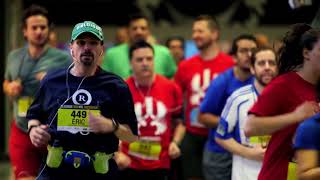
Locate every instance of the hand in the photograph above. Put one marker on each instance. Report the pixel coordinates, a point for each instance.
(256, 153)
(39, 136)
(122, 160)
(40, 75)
(14, 88)
(100, 124)
(174, 150)
(306, 110)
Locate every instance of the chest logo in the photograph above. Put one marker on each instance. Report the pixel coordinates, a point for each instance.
(81, 97)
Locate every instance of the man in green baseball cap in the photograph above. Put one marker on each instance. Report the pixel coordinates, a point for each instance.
(86, 44)
(87, 27)
(96, 111)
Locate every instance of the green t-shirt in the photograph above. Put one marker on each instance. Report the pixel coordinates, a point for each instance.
(21, 66)
(117, 61)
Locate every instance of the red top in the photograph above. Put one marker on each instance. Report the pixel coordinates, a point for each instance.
(194, 76)
(154, 108)
(281, 96)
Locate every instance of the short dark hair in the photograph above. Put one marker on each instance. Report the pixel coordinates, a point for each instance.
(259, 49)
(172, 38)
(212, 22)
(137, 45)
(136, 16)
(34, 10)
(234, 46)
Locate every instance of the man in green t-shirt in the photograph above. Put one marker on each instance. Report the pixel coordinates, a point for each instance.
(116, 59)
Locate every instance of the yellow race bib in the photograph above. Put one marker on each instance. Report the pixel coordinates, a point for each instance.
(75, 118)
(148, 149)
(23, 105)
(262, 140)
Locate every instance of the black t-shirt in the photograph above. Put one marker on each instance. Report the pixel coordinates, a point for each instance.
(104, 90)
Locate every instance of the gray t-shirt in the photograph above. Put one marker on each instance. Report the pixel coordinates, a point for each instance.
(21, 66)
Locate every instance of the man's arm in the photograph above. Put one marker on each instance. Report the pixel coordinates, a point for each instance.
(256, 125)
(308, 164)
(12, 88)
(101, 124)
(174, 150)
(209, 120)
(38, 133)
(231, 145)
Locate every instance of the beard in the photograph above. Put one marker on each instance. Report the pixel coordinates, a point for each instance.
(87, 58)
(38, 44)
(204, 45)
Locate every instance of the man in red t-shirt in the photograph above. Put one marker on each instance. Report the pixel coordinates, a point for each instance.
(157, 101)
(287, 100)
(194, 76)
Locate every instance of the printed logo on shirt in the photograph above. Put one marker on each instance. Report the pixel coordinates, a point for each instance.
(199, 85)
(81, 97)
(151, 113)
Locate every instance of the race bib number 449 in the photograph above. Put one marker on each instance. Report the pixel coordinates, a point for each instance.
(74, 119)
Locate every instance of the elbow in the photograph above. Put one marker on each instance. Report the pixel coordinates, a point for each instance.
(218, 141)
(201, 118)
(132, 139)
(248, 131)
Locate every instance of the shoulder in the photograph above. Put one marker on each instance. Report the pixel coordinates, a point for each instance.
(189, 62)
(118, 49)
(160, 48)
(111, 79)
(17, 52)
(225, 56)
(224, 77)
(311, 125)
(243, 91)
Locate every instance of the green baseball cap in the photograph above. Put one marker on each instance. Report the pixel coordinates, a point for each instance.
(87, 26)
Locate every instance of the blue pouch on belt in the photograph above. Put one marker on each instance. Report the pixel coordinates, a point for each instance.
(77, 159)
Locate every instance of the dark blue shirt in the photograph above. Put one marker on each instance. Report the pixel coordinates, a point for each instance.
(104, 90)
(308, 133)
(215, 99)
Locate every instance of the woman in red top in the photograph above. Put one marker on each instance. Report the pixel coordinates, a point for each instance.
(287, 100)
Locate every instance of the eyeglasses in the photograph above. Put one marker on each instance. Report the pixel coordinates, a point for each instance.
(246, 50)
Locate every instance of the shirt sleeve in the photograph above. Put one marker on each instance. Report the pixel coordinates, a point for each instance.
(178, 101)
(307, 135)
(107, 62)
(36, 110)
(171, 66)
(125, 108)
(7, 73)
(215, 97)
(271, 100)
(228, 118)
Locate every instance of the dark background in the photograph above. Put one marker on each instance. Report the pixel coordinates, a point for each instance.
(115, 12)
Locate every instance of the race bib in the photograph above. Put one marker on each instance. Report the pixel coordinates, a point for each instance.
(292, 170)
(75, 118)
(23, 105)
(148, 149)
(263, 140)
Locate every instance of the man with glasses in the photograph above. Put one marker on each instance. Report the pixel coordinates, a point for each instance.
(211, 107)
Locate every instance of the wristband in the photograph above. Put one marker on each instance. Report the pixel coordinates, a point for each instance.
(115, 125)
(32, 126)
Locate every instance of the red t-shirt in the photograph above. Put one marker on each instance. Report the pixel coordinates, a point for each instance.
(281, 96)
(194, 76)
(154, 108)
